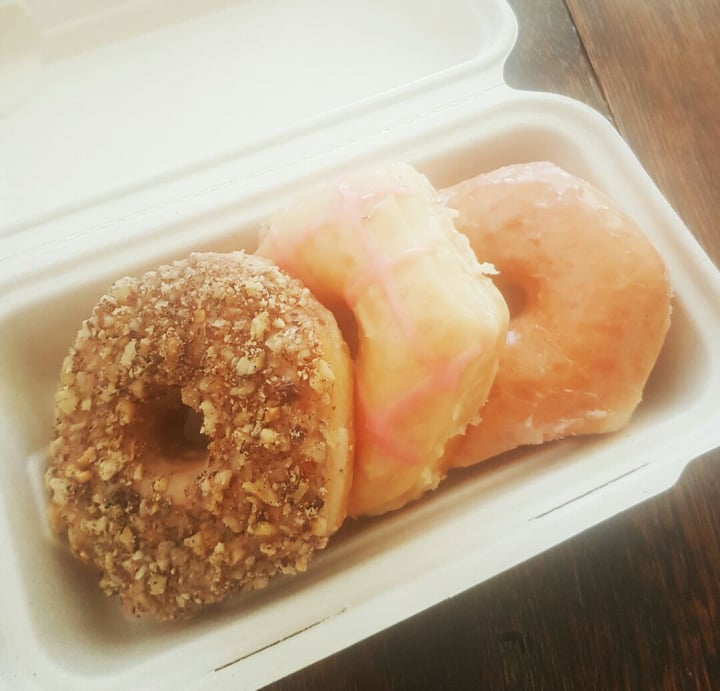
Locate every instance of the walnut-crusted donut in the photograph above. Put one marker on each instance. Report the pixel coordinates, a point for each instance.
(203, 433)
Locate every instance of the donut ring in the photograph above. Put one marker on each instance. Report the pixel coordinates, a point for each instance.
(174, 521)
(589, 301)
(380, 249)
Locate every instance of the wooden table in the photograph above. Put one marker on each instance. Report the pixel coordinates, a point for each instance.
(635, 602)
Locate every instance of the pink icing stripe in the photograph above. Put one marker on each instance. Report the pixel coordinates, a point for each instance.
(379, 268)
(405, 453)
(367, 278)
(381, 425)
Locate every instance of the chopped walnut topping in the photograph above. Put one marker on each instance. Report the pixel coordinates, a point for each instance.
(110, 466)
(59, 490)
(322, 376)
(157, 584)
(210, 417)
(263, 528)
(248, 365)
(128, 354)
(223, 477)
(86, 457)
(172, 521)
(194, 542)
(259, 325)
(66, 401)
(268, 436)
(125, 411)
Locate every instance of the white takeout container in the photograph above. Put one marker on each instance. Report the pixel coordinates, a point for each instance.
(133, 135)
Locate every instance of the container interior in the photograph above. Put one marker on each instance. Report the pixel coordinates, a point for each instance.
(76, 629)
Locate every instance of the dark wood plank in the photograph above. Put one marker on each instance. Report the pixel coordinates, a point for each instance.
(658, 63)
(633, 603)
(549, 55)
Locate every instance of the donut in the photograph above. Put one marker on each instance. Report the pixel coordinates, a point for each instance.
(589, 300)
(426, 325)
(203, 433)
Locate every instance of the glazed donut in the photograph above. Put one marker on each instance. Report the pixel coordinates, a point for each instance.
(203, 433)
(380, 250)
(589, 302)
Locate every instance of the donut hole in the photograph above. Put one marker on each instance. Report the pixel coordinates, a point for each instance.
(172, 431)
(514, 293)
(347, 325)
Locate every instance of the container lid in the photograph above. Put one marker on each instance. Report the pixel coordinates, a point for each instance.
(111, 106)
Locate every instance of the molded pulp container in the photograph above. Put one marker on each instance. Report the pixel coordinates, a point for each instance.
(131, 136)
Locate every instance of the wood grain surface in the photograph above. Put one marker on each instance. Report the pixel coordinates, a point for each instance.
(633, 603)
(658, 63)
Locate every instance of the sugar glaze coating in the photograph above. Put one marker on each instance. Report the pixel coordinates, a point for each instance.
(380, 246)
(590, 304)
